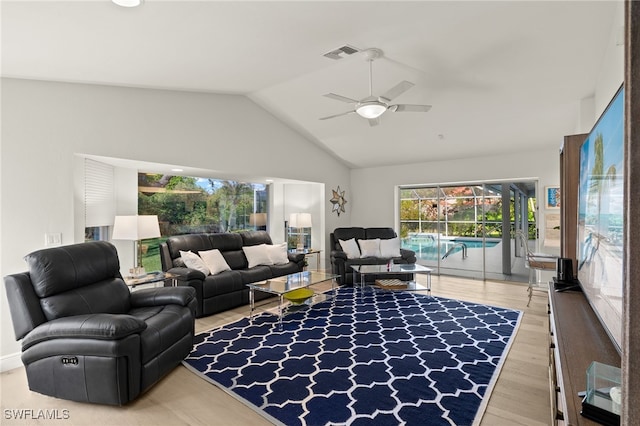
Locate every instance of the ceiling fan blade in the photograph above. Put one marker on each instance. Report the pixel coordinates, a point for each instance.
(410, 108)
(337, 115)
(341, 98)
(374, 121)
(397, 90)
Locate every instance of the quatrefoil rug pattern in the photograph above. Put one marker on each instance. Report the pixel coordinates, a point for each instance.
(365, 357)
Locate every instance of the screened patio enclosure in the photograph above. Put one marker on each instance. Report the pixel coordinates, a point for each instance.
(469, 230)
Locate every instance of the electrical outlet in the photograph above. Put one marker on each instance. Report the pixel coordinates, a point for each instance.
(52, 239)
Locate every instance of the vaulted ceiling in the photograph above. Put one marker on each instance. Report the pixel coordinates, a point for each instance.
(501, 76)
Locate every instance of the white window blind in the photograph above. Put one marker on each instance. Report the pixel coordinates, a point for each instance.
(99, 199)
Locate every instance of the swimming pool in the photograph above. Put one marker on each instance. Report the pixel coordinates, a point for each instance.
(426, 247)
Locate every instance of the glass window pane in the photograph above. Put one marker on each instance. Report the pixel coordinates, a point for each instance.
(189, 205)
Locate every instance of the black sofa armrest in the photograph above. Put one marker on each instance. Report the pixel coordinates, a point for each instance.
(160, 296)
(408, 255)
(187, 274)
(338, 254)
(90, 326)
(338, 261)
(295, 257)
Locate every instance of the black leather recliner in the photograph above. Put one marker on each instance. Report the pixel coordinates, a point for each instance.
(86, 337)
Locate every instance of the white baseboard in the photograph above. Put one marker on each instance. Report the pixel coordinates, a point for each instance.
(9, 362)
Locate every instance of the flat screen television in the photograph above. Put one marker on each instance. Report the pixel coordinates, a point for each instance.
(600, 217)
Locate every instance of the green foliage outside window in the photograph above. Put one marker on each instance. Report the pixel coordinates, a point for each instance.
(458, 211)
(187, 205)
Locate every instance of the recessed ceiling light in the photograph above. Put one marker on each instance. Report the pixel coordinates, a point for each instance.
(268, 180)
(177, 170)
(128, 3)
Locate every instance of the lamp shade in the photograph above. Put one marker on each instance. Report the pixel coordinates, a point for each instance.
(135, 227)
(258, 219)
(300, 220)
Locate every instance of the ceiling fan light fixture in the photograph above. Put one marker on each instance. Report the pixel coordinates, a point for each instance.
(371, 110)
(128, 3)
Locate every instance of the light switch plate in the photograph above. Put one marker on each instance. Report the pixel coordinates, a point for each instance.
(52, 239)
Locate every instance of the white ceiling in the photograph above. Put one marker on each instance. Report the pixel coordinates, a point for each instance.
(501, 76)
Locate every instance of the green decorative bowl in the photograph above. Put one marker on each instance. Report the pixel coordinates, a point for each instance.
(298, 296)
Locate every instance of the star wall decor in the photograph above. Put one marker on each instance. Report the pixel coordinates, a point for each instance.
(338, 201)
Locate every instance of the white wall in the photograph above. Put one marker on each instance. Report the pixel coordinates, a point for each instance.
(300, 198)
(611, 73)
(44, 126)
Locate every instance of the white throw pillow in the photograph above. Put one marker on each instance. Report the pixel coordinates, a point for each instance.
(257, 255)
(193, 261)
(350, 247)
(278, 254)
(214, 261)
(370, 248)
(390, 247)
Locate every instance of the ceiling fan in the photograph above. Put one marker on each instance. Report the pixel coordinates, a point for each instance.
(372, 107)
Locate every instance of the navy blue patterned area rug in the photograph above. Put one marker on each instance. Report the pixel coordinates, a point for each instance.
(372, 358)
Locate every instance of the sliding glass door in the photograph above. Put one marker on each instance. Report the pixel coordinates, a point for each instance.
(468, 230)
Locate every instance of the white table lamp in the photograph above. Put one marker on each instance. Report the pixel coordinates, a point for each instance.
(136, 228)
(258, 220)
(300, 221)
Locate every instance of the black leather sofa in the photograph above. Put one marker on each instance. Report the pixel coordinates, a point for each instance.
(86, 337)
(225, 290)
(341, 264)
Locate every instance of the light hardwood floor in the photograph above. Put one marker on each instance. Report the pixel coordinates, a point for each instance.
(520, 397)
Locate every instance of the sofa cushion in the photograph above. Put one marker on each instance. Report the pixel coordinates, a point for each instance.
(254, 238)
(71, 267)
(257, 255)
(190, 242)
(278, 254)
(235, 259)
(286, 269)
(350, 247)
(224, 282)
(369, 248)
(382, 233)
(193, 261)
(390, 248)
(226, 242)
(109, 296)
(214, 261)
(255, 274)
(347, 234)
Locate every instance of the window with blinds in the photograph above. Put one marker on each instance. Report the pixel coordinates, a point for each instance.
(99, 199)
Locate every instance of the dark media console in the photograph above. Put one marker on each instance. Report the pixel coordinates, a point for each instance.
(577, 338)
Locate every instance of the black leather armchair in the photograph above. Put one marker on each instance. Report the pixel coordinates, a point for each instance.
(86, 337)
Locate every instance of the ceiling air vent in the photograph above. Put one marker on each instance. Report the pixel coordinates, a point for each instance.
(341, 52)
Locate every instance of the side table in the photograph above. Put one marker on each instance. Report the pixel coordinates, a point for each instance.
(152, 278)
(310, 252)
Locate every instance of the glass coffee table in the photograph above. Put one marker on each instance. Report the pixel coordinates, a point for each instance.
(393, 269)
(285, 284)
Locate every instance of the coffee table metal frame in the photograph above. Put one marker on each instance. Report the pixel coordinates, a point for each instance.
(389, 269)
(284, 284)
